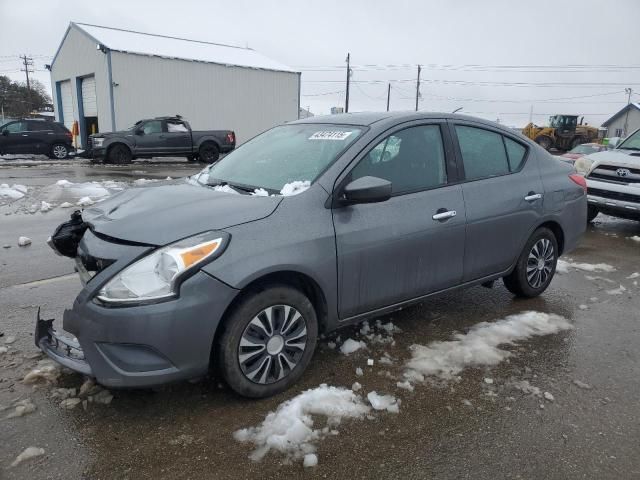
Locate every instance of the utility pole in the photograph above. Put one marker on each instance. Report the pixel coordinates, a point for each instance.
(388, 95)
(418, 87)
(628, 91)
(531, 114)
(346, 100)
(28, 62)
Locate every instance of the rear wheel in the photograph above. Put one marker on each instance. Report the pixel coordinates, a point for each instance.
(59, 151)
(545, 142)
(267, 341)
(119, 154)
(592, 213)
(209, 153)
(536, 265)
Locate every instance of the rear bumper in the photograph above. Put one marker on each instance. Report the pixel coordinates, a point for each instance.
(144, 345)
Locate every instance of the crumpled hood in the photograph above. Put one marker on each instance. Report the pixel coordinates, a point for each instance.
(158, 215)
(630, 158)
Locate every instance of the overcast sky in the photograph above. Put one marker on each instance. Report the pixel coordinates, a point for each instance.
(468, 48)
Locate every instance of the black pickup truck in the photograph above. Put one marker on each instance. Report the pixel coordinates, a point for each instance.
(160, 137)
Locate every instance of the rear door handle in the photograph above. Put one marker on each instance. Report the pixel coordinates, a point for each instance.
(444, 215)
(532, 197)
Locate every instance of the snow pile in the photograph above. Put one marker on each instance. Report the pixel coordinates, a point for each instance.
(350, 345)
(13, 192)
(144, 181)
(635, 238)
(27, 454)
(260, 192)
(563, 267)
(24, 241)
(310, 460)
(480, 346)
(66, 205)
(224, 189)
(294, 188)
(617, 291)
(22, 408)
(384, 402)
(45, 207)
(89, 189)
(46, 370)
(289, 430)
(633, 275)
(85, 202)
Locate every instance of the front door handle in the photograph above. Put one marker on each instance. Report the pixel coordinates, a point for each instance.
(532, 197)
(444, 215)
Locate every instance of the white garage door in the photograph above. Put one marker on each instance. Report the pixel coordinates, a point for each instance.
(89, 105)
(66, 100)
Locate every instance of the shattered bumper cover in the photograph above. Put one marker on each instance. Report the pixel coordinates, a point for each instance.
(64, 350)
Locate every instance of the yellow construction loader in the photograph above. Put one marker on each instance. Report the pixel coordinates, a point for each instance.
(563, 133)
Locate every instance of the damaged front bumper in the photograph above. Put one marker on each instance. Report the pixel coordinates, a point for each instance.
(62, 349)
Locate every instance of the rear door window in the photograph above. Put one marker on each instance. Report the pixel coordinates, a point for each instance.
(174, 126)
(39, 127)
(516, 153)
(483, 152)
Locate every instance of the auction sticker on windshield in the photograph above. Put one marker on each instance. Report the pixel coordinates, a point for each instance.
(330, 135)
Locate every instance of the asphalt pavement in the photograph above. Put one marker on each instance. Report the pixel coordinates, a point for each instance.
(463, 428)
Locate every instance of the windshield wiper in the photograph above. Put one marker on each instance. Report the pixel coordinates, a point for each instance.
(238, 187)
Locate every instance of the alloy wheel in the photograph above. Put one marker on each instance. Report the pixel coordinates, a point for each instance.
(59, 151)
(540, 263)
(272, 344)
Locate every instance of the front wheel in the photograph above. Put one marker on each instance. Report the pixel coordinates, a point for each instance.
(592, 213)
(208, 153)
(545, 142)
(536, 265)
(267, 341)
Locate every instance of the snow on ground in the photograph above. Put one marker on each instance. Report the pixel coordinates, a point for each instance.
(635, 238)
(290, 429)
(633, 275)
(563, 266)
(350, 345)
(384, 402)
(13, 192)
(617, 291)
(27, 454)
(294, 188)
(480, 346)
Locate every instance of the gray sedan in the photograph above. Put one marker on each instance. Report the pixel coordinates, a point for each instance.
(311, 226)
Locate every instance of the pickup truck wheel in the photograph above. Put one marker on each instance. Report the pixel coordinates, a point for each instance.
(267, 341)
(209, 153)
(119, 154)
(592, 213)
(59, 151)
(536, 265)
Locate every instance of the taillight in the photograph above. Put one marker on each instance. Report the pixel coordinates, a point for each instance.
(580, 180)
(68, 135)
(231, 137)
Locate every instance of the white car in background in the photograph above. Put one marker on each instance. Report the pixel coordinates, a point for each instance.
(613, 180)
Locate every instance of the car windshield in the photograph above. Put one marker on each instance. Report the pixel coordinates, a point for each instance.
(281, 156)
(631, 143)
(586, 149)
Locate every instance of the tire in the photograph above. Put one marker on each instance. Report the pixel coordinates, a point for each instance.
(59, 151)
(191, 158)
(208, 153)
(592, 213)
(119, 155)
(576, 141)
(545, 142)
(530, 279)
(256, 372)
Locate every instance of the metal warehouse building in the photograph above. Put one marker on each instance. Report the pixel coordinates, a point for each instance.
(108, 78)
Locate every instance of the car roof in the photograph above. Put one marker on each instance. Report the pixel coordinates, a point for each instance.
(370, 118)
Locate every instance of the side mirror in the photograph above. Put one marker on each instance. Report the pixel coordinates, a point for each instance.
(367, 190)
(5, 132)
(140, 131)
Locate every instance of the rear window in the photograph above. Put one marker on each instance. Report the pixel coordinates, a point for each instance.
(516, 153)
(39, 126)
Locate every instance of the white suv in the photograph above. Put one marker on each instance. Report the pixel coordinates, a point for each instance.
(613, 180)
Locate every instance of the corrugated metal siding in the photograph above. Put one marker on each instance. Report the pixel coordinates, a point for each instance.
(209, 96)
(618, 123)
(78, 57)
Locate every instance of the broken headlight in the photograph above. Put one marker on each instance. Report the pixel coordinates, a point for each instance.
(158, 275)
